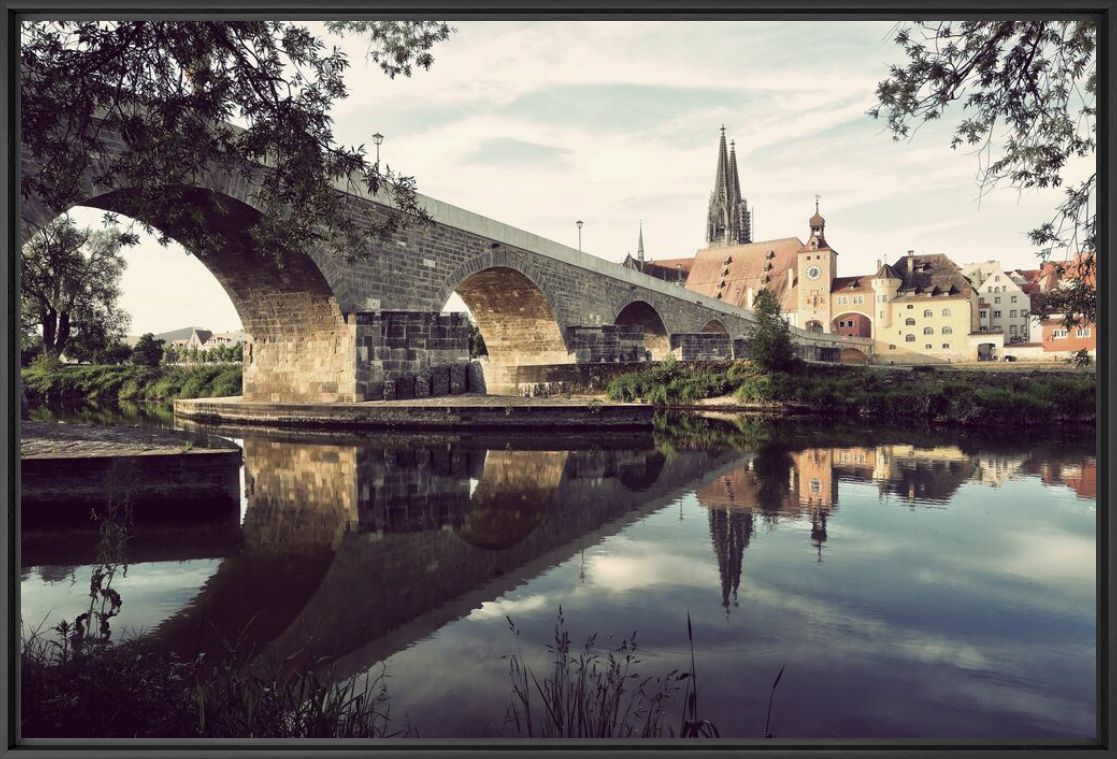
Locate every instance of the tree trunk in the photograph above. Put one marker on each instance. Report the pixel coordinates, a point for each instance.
(63, 332)
(50, 329)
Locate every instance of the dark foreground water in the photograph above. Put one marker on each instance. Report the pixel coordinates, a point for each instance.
(913, 585)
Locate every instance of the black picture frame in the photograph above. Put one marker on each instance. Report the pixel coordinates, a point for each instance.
(1104, 10)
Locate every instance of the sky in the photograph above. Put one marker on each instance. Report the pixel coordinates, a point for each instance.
(541, 123)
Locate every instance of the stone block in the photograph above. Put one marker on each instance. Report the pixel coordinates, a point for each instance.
(458, 378)
(405, 387)
(440, 380)
(389, 390)
(423, 385)
(475, 378)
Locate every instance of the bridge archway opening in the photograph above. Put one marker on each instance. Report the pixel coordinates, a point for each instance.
(814, 326)
(515, 320)
(292, 323)
(853, 356)
(852, 324)
(715, 327)
(641, 314)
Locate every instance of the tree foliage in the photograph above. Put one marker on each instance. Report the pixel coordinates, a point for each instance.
(770, 338)
(70, 284)
(147, 351)
(188, 96)
(1027, 90)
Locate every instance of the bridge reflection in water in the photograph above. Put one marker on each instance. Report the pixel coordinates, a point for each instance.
(366, 550)
(352, 550)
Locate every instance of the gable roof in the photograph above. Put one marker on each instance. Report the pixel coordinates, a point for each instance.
(929, 275)
(732, 270)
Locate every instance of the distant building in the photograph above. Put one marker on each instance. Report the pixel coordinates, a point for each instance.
(1002, 303)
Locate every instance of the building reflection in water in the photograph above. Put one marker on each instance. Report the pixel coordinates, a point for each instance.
(777, 483)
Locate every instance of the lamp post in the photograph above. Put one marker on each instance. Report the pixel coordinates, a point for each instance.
(579, 224)
(377, 140)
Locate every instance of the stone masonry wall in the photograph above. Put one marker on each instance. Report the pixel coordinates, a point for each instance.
(703, 346)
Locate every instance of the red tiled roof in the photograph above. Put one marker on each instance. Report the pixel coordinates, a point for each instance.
(735, 269)
(862, 283)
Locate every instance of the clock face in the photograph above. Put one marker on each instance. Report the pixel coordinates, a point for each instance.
(814, 272)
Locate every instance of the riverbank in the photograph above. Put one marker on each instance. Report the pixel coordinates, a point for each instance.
(64, 382)
(878, 394)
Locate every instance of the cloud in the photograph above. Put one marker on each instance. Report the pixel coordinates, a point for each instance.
(505, 151)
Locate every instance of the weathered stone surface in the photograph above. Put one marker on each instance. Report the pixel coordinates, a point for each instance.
(702, 346)
(440, 380)
(475, 378)
(458, 378)
(405, 387)
(389, 390)
(423, 385)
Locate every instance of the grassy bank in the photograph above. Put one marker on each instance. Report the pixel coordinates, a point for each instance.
(130, 383)
(955, 397)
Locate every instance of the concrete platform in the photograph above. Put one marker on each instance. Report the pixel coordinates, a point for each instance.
(443, 412)
(71, 475)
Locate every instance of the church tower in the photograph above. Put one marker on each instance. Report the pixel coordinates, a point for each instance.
(640, 247)
(728, 220)
(816, 265)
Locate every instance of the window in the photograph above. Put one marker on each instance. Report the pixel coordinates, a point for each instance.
(946, 312)
(1084, 332)
(891, 347)
(1059, 334)
(996, 314)
(927, 346)
(1012, 314)
(1013, 298)
(996, 277)
(927, 313)
(882, 299)
(910, 307)
(946, 346)
(928, 330)
(858, 298)
(816, 486)
(948, 330)
(909, 322)
(1012, 329)
(984, 314)
(909, 338)
(997, 299)
(843, 300)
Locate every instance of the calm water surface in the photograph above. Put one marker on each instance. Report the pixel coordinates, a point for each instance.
(913, 584)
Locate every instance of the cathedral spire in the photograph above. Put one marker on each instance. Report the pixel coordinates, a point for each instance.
(728, 221)
(640, 246)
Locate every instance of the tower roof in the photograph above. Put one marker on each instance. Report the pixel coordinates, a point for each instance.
(734, 187)
(817, 220)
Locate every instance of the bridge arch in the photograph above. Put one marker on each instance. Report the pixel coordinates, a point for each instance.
(640, 313)
(862, 324)
(715, 326)
(516, 316)
(294, 329)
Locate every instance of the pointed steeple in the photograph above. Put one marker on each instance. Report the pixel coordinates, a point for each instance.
(722, 167)
(734, 187)
(640, 246)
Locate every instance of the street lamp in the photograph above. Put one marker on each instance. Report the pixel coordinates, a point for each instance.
(377, 140)
(579, 223)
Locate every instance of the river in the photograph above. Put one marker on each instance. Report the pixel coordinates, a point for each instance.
(910, 583)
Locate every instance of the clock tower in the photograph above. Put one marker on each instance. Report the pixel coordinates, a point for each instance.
(816, 265)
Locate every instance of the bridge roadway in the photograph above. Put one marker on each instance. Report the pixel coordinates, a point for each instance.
(321, 330)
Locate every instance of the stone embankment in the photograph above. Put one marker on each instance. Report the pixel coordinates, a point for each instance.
(442, 412)
(70, 471)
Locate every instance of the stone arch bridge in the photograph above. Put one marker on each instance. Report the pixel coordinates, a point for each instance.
(319, 330)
